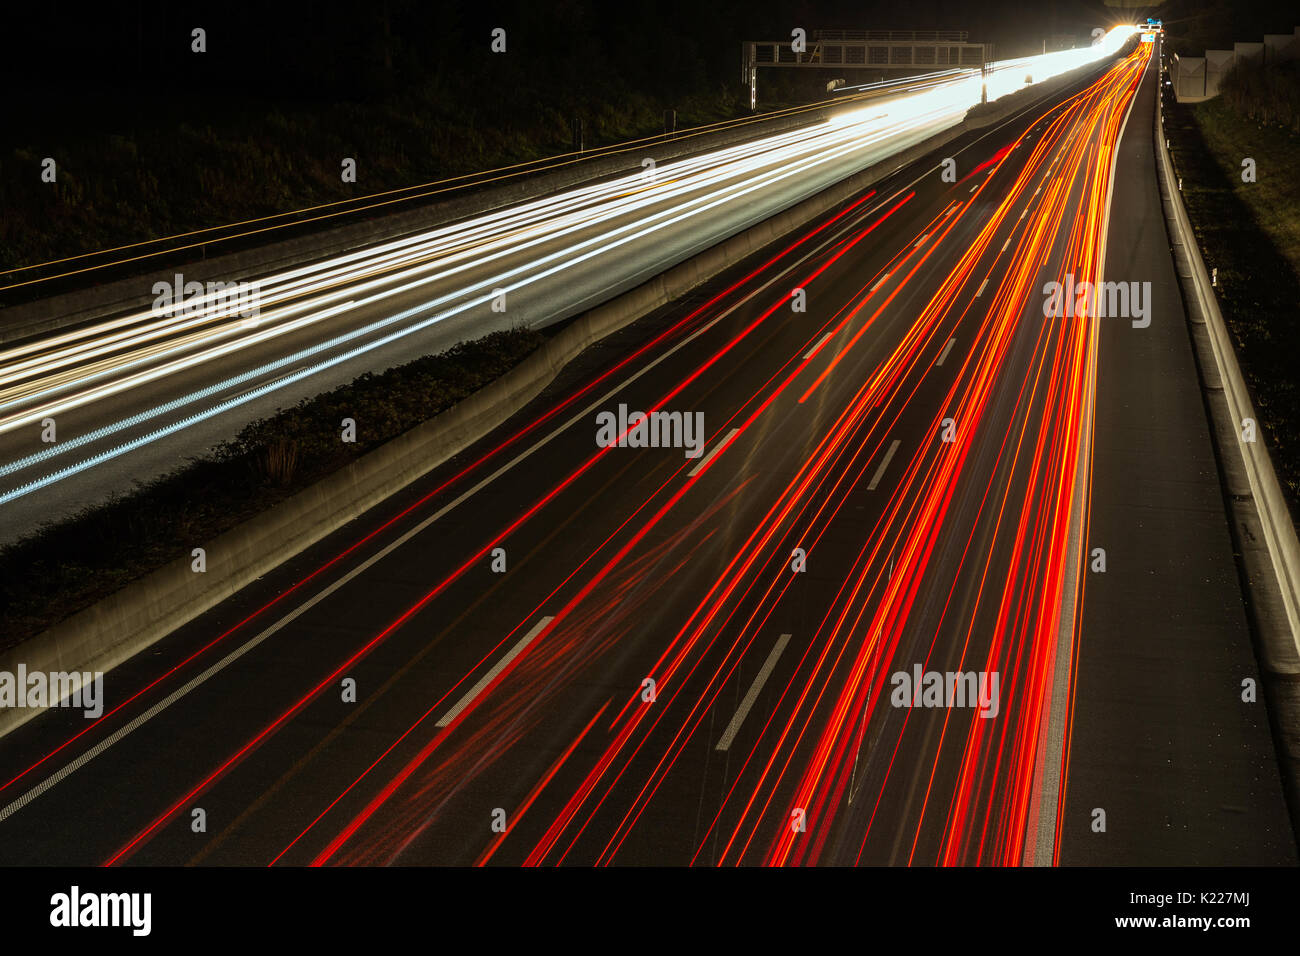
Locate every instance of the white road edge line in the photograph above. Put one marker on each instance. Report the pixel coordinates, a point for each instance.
(491, 675)
(751, 695)
(884, 463)
(1039, 847)
(709, 457)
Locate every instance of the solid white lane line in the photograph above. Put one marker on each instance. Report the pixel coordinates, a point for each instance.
(751, 695)
(288, 374)
(709, 457)
(1039, 848)
(820, 342)
(946, 349)
(491, 675)
(884, 463)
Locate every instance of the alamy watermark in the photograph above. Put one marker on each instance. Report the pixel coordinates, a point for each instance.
(1123, 300)
(133, 911)
(187, 298)
(53, 689)
(624, 429)
(919, 688)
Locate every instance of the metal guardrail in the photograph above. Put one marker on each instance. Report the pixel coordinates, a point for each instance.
(1265, 490)
(883, 54)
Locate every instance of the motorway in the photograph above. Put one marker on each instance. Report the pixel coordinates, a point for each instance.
(133, 395)
(697, 660)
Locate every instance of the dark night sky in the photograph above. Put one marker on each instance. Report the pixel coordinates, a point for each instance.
(70, 59)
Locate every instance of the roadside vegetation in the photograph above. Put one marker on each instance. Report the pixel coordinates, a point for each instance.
(66, 566)
(1269, 93)
(167, 140)
(113, 188)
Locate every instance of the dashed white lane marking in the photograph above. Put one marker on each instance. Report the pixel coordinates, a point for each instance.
(709, 457)
(879, 282)
(981, 291)
(884, 463)
(491, 675)
(820, 342)
(751, 695)
(946, 349)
